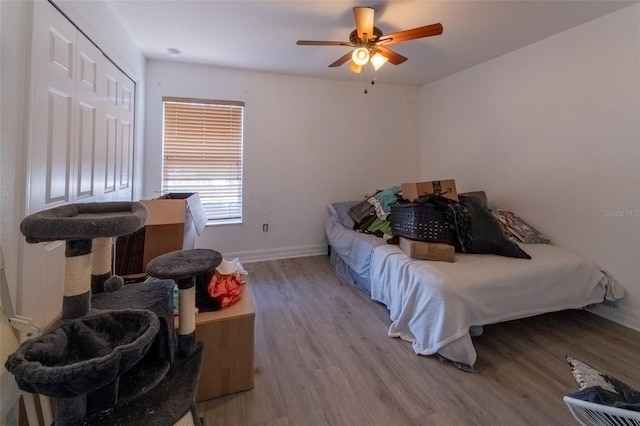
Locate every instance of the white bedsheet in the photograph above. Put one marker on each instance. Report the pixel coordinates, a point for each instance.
(434, 304)
(355, 249)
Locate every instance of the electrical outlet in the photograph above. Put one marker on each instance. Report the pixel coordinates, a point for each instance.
(265, 227)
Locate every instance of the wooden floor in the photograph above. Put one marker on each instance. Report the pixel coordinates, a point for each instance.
(322, 357)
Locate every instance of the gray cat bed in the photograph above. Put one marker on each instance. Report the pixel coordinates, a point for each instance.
(84, 221)
(157, 297)
(79, 356)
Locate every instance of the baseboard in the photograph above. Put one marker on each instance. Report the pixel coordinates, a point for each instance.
(277, 253)
(622, 315)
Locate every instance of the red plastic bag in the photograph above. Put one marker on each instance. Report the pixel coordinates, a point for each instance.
(224, 289)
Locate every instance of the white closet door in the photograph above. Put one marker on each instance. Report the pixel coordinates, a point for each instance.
(51, 120)
(125, 160)
(118, 138)
(80, 146)
(50, 157)
(111, 137)
(88, 126)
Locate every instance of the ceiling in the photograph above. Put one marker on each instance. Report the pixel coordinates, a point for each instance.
(261, 35)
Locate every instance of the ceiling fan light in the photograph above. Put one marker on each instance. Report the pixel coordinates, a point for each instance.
(364, 21)
(378, 60)
(355, 68)
(360, 56)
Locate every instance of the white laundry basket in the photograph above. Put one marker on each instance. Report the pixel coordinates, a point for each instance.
(589, 413)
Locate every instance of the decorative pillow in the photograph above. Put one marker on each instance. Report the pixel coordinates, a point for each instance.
(341, 211)
(601, 388)
(519, 228)
(480, 195)
(485, 232)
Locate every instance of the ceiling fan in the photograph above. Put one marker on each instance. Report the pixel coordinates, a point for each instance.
(370, 44)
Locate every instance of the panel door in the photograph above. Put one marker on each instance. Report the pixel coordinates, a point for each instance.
(125, 159)
(111, 137)
(117, 141)
(52, 128)
(52, 119)
(88, 126)
(80, 146)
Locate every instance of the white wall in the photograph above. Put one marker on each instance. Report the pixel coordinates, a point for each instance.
(307, 142)
(552, 131)
(15, 33)
(14, 59)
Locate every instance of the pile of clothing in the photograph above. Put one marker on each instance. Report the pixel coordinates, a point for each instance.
(372, 215)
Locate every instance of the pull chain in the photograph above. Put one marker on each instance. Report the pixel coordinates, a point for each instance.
(367, 70)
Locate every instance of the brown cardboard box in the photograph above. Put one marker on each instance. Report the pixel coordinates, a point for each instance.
(428, 251)
(227, 364)
(445, 188)
(174, 221)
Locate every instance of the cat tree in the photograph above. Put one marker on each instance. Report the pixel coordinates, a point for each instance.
(111, 358)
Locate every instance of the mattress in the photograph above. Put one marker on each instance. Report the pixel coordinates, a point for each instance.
(438, 306)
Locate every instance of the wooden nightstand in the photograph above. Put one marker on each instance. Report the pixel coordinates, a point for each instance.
(227, 364)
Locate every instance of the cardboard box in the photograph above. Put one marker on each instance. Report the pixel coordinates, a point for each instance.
(445, 188)
(174, 221)
(428, 251)
(228, 337)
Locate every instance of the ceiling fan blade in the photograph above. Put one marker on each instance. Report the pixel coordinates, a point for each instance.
(341, 60)
(323, 43)
(393, 57)
(420, 32)
(364, 21)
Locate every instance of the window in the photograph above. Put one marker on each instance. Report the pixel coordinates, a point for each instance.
(202, 152)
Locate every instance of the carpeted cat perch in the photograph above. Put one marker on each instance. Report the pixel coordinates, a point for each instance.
(183, 267)
(97, 362)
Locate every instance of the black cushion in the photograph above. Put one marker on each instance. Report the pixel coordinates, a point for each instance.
(485, 232)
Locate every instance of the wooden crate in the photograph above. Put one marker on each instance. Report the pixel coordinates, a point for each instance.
(227, 365)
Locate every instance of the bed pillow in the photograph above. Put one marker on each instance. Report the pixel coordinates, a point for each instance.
(486, 233)
(601, 388)
(480, 195)
(341, 212)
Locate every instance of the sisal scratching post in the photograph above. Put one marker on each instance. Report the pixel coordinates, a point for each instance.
(183, 266)
(102, 278)
(76, 301)
(187, 317)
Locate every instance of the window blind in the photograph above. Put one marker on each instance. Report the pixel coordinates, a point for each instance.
(202, 152)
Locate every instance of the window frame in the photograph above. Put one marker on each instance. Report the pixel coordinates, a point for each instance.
(221, 150)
